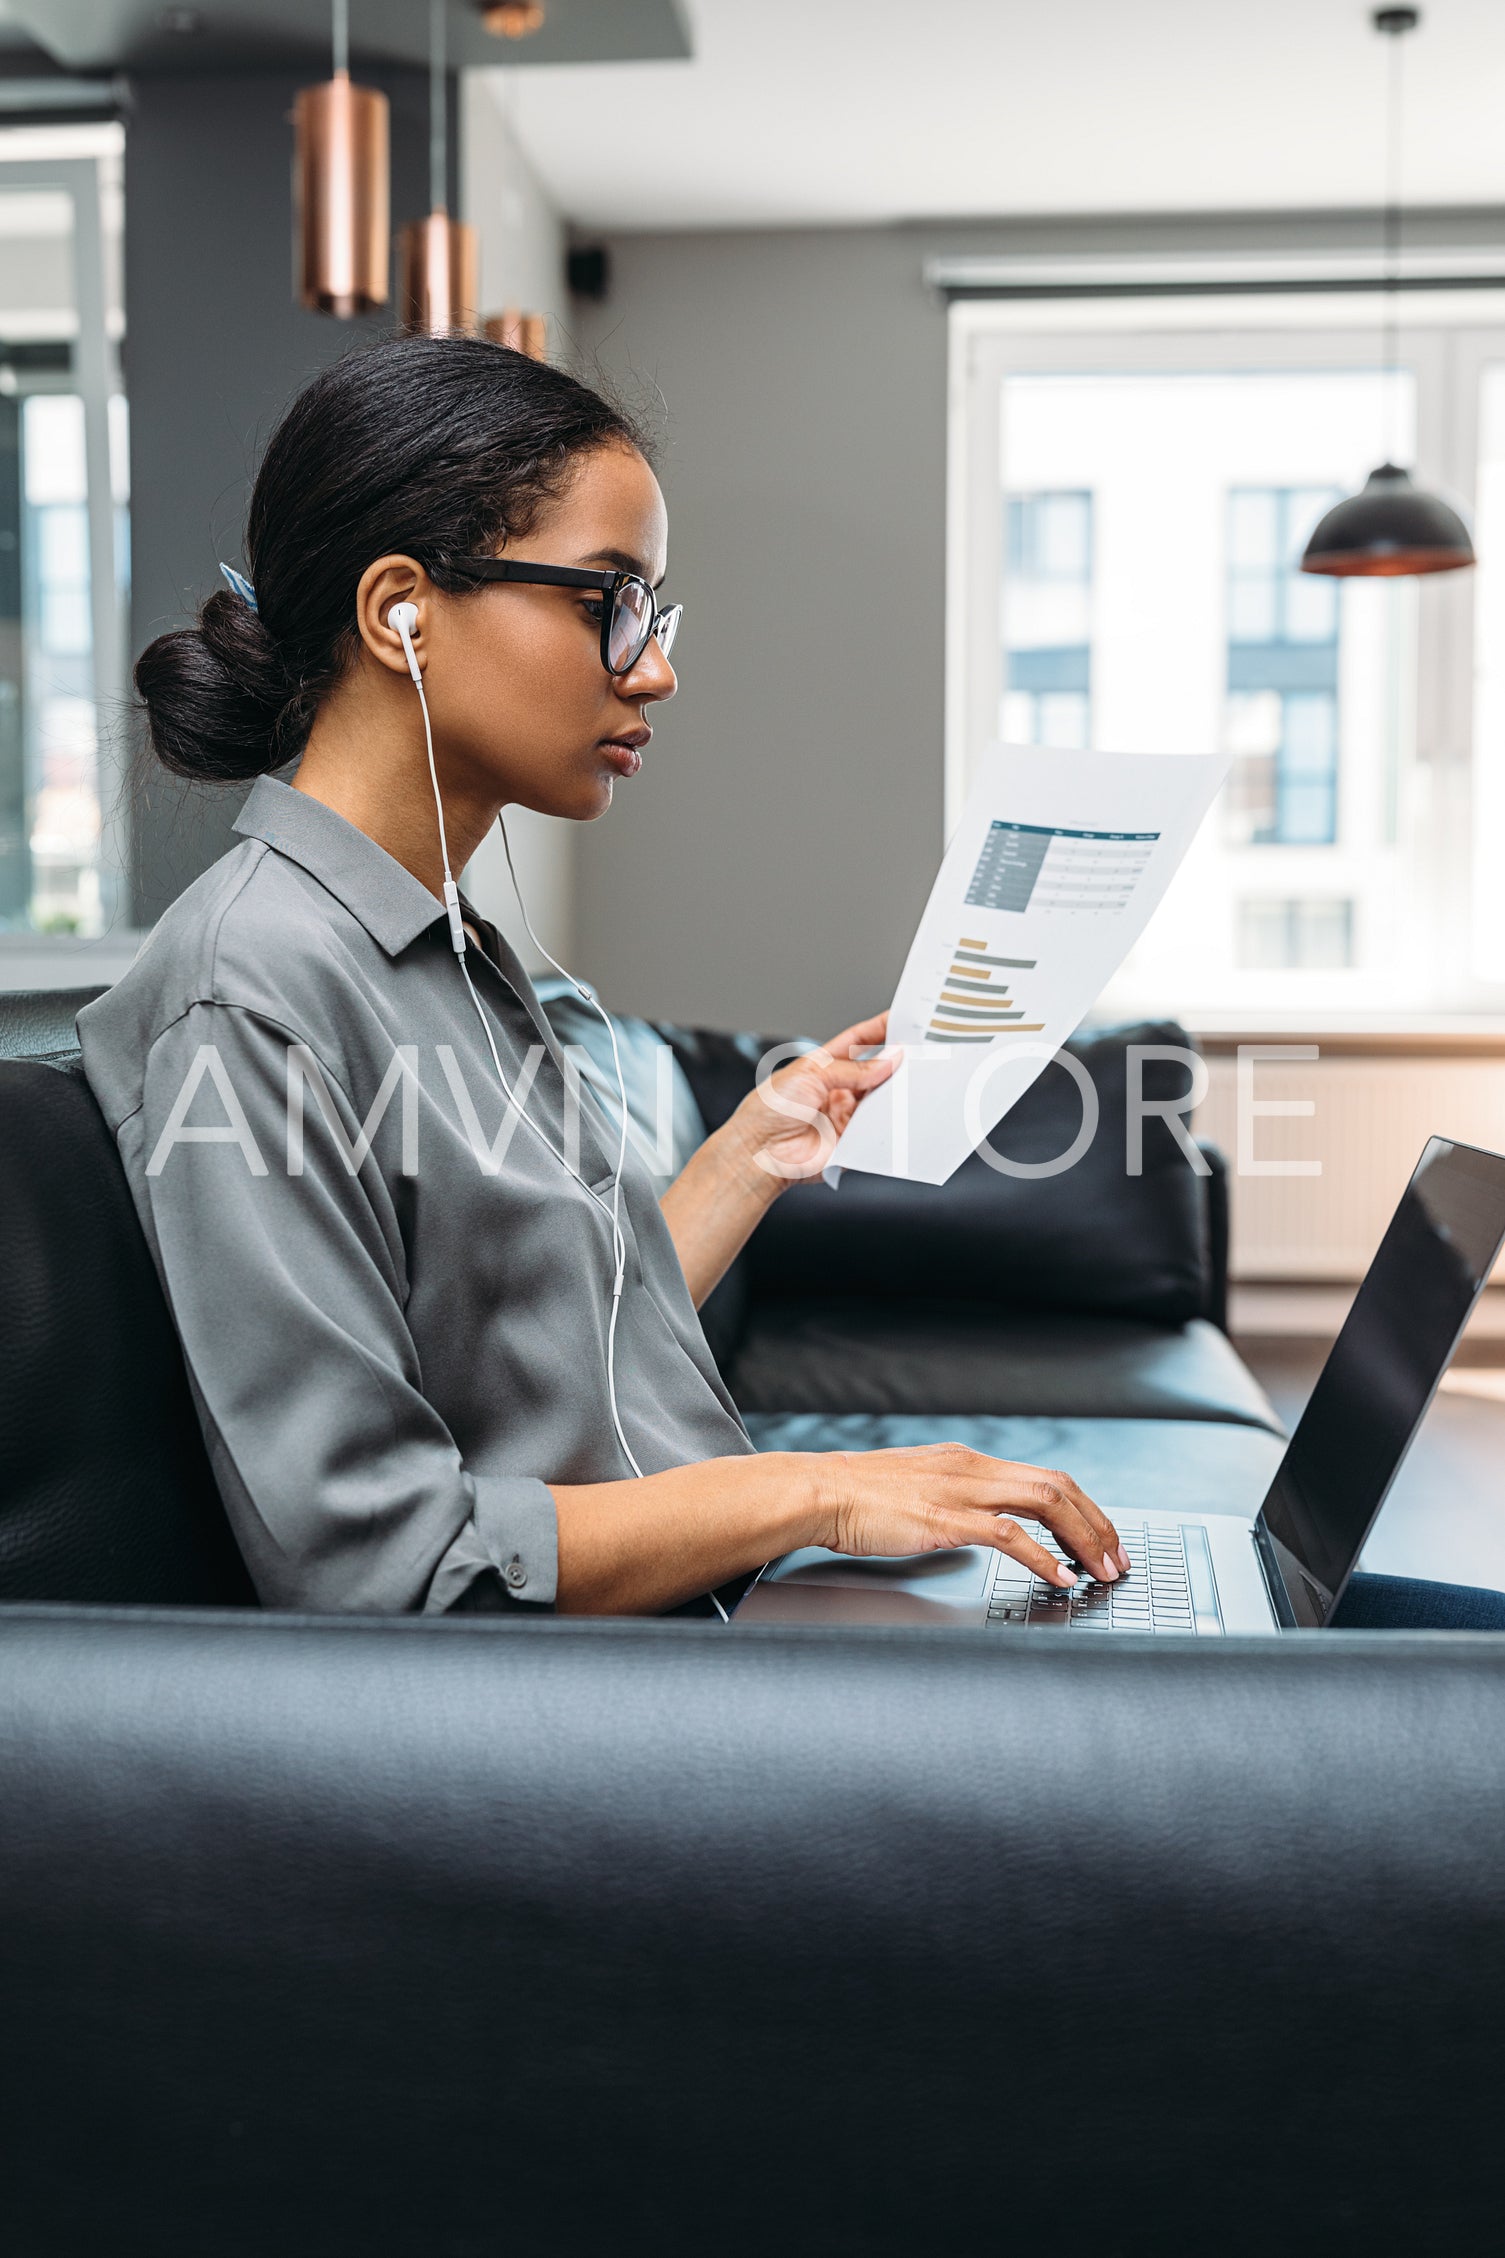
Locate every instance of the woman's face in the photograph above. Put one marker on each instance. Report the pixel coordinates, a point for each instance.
(523, 710)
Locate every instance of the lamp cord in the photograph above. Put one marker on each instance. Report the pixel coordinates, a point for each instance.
(340, 39)
(438, 112)
(1392, 249)
(1393, 24)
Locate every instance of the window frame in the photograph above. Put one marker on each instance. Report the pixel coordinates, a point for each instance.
(1447, 337)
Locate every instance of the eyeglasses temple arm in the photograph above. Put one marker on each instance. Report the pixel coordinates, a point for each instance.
(539, 575)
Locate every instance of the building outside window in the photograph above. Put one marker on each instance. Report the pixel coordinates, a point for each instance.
(1295, 933)
(1281, 720)
(1047, 620)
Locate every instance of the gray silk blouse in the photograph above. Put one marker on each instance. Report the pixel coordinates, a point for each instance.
(392, 1297)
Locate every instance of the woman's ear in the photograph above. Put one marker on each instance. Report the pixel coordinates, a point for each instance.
(392, 580)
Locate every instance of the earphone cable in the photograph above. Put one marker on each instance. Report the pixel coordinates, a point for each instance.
(618, 1239)
(613, 1213)
(457, 929)
(605, 1018)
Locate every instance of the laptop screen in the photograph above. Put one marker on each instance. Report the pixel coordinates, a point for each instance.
(1383, 1371)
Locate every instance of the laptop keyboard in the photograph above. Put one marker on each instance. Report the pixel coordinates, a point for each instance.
(1170, 1587)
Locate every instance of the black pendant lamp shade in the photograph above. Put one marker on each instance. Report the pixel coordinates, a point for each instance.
(1392, 527)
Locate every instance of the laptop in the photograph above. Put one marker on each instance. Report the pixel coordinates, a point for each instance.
(1216, 1574)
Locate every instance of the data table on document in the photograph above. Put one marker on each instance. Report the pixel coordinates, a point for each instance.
(1027, 866)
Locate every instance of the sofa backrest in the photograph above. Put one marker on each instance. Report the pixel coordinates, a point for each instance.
(1093, 1239)
(38, 1023)
(105, 1489)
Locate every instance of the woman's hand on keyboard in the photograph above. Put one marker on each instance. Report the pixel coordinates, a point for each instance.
(943, 1495)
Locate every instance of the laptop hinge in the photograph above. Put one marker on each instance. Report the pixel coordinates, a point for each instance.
(1275, 1583)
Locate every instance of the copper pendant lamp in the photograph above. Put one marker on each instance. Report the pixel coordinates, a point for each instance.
(1393, 526)
(513, 19)
(524, 333)
(437, 260)
(340, 208)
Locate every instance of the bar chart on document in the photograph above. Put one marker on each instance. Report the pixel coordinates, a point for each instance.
(979, 993)
(1052, 874)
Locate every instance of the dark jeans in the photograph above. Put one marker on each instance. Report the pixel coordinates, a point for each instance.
(1407, 1603)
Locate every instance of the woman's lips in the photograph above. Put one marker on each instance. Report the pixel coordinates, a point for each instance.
(623, 755)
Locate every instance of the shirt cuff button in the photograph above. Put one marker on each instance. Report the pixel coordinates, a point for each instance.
(515, 1573)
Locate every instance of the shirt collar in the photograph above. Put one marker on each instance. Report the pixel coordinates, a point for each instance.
(393, 905)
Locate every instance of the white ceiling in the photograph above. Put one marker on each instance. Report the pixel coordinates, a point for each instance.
(803, 111)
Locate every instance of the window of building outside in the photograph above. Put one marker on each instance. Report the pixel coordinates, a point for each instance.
(1047, 697)
(1281, 716)
(1132, 535)
(64, 550)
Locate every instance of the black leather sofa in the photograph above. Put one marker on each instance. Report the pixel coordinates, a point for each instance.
(476, 1935)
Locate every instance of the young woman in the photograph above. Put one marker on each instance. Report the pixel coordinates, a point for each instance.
(401, 1336)
(439, 1364)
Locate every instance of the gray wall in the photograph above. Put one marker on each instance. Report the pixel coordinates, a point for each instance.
(215, 349)
(768, 866)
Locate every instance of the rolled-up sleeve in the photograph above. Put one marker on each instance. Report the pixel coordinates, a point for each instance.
(344, 1486)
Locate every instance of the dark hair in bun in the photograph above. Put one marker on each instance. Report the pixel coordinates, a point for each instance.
(433, 446)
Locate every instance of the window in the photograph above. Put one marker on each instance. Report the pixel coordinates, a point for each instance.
(1157, 467)
(59, 868)
(1047, 646)
(1281, 720)
(1300, 933)
(1487, 797)
(63, 538)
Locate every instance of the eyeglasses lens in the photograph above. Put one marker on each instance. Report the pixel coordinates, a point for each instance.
(631, 625)
(668, 627)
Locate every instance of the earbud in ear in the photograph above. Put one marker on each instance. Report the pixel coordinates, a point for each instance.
(402, 619)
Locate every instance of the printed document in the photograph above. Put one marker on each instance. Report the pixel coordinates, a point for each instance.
(1048, 883)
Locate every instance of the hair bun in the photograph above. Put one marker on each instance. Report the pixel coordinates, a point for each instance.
(220, 702)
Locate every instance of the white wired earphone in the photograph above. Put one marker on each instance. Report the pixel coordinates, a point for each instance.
(402, 619)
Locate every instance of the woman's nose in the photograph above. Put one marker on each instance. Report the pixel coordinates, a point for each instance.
(652, 677)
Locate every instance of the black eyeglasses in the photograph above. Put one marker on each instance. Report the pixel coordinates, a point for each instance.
(630, 617)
